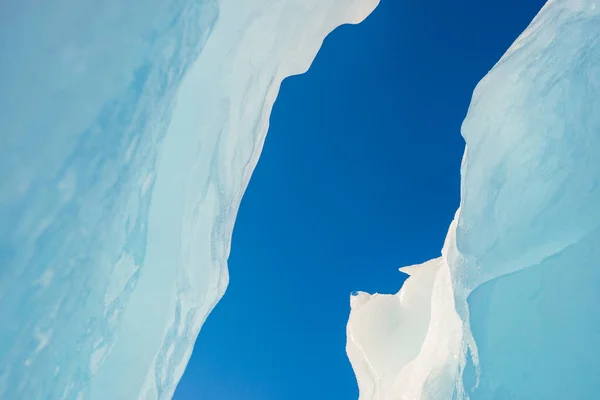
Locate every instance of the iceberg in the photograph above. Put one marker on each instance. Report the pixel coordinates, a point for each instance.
(129, 133)
(507, 311)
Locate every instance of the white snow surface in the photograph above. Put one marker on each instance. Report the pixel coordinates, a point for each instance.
(508, 311)
(129, 130)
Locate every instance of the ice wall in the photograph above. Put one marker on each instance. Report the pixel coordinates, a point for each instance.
(521, 257)
(129, 130)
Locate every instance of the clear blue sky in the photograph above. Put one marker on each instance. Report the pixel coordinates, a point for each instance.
(359, 176)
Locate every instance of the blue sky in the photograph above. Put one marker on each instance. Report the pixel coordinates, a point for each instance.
(359, 176)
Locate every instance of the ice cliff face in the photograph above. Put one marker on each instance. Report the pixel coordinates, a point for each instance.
(129, 131)
(508, 311)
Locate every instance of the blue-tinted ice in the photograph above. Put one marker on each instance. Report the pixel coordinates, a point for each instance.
(128, 132)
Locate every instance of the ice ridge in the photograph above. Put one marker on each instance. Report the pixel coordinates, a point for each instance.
(129, 133)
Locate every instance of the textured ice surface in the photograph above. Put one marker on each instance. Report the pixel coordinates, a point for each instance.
(513, 301)
(128, 133)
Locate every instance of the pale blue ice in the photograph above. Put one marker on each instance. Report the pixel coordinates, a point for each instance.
(128, 132)
(92, 285)
(529, 227)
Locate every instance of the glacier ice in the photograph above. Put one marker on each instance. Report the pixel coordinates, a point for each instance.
(129, 133)
(508, 311)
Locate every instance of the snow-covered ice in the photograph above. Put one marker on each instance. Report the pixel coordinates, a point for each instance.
(510, 312)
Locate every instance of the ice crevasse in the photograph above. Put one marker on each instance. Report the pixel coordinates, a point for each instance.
(128, 133)
(509, 309)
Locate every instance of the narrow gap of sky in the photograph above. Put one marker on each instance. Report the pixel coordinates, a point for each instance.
(359, 176)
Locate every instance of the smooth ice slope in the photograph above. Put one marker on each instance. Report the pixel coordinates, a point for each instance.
(521, 257)
(128, 133)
